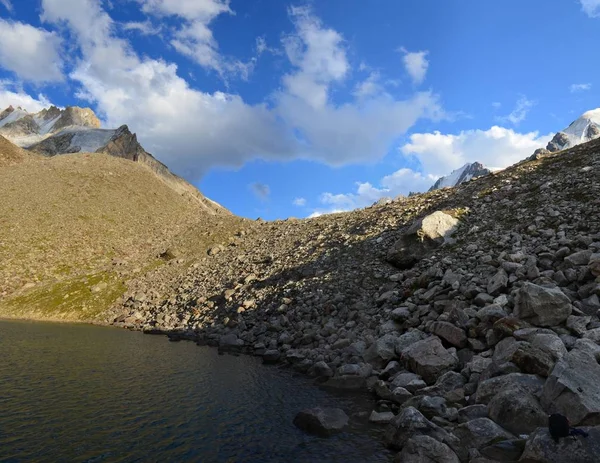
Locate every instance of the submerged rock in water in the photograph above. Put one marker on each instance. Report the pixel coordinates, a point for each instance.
(323, 422)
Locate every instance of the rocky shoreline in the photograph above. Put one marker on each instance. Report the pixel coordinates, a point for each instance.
(470, 313)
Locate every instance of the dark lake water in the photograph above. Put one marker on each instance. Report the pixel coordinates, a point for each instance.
(71, 393)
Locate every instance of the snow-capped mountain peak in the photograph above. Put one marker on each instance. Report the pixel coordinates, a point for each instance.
(582, 130)
(26, 129)
(461, 175)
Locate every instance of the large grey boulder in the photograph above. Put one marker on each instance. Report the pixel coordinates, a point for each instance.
(573, 388)
(422, 237)
(411, 422)
(405, 340)
(425, 449)
(550, 343)
(322, 422)
(542, 306)
(541, 448)
(445, 386)
(478, 433)
(449, 333)
(488, 389)
(532, 360)
(381, 351)
(472, 412)
(517, 411)
(429, 359)
(504, 451)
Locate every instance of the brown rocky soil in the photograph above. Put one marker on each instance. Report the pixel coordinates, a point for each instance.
(75, 228)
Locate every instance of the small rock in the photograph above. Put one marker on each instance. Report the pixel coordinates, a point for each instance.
(381, 418)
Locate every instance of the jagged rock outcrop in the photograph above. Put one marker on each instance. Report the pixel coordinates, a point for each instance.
(27, 129)
(422, 237)
(458, 176)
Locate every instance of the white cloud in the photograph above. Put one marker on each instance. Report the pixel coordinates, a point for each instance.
(591, 7)
(318, 56)
(369, 87)
(194, 38)
(401, 182)
(29, 52)
(167, 113)
(143, 27)
(496, 105)
(300, 202)
(357, 131)
(15, 96)
(263, 47)
(580, 87)
(440, 154)
(7, 4)
(416, 64)
(159, 105)
(520, 112)
(261, 190)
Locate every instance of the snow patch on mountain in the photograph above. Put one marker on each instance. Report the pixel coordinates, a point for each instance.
(461, 175)
(582, 130)
(89, 140)
(12, 116)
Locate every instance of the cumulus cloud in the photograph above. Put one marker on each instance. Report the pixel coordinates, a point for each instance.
(318, 56)
(29, 52)
(438, 154)
(591, 7)
(369, 87)
(188, 129)
(11, 94)
(519, 114)
(194, 37)
(574, 88)
(416, 64)
(498, 147)
(192, 131)
(300, 202)
(261, 190)
(355, 131)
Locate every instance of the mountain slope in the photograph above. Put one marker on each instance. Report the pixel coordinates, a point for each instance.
(461, 175)
(11, 154)
(75, 228)
(582, 130)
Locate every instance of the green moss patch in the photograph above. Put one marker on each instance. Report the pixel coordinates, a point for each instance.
(81, 298)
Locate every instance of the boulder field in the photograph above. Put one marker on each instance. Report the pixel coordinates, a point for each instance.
(470, 313)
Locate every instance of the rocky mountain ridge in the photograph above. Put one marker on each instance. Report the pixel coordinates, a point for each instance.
(464, 174)
(582, 130)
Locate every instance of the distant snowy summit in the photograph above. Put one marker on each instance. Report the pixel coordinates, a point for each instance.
(584, 129)
(458, 176)
(26, 129)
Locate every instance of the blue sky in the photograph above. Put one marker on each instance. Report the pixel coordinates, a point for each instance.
(278, 109)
